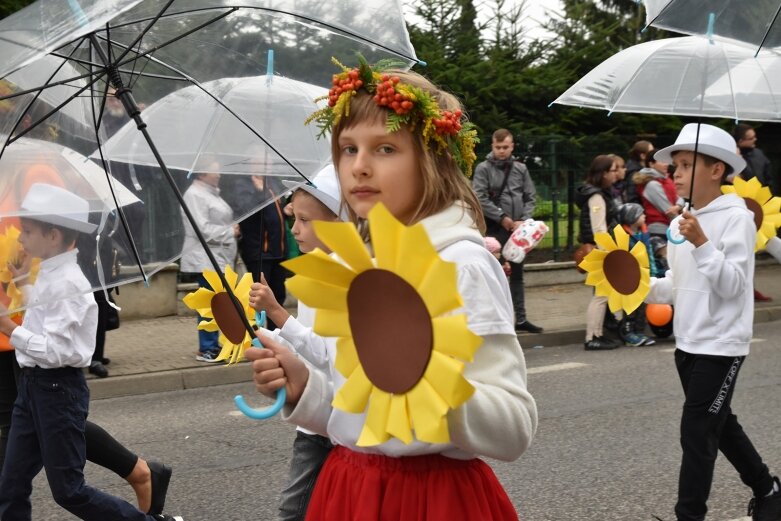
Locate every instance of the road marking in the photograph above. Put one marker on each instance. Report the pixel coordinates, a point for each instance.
(741, 519)
(555, 367)
(754, 340)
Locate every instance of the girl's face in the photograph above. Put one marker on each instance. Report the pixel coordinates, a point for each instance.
(376, 166)
(621, 169)
(307, 209)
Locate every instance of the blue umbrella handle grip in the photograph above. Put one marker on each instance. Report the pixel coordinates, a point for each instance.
(268, 412)
(674, 240)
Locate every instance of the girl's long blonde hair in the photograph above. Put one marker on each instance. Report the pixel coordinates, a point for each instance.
(443, 182)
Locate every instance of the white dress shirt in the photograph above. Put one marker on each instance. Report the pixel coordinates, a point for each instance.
(62, 317)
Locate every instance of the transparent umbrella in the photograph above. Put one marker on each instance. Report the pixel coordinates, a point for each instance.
(138, 51)
(754, 24)
(687, 76)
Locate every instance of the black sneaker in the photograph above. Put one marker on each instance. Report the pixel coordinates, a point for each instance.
(766, 508)
(164, 517)
(98, 369)
(528, 327)
(600, 343)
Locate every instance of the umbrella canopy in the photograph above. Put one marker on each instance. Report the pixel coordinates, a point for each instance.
(687, 76)
(75, 72)
(219, 123)
(755, 24)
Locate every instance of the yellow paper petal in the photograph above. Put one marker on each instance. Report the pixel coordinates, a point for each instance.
(398, 424)
(416, 254)
(594, 278)
(640, 252)
(346, 356)
(343, 239)
(622, 238)
(354, 394)
(208, 325)
(614, 300)
(772, 207)
(439, 288)
(446, 376)
(199, 299)
(373, 432)
(428, 410)
(385, 233)
(318, 265)
(332, 323)
(763, 195)
(453, 337)
(214, 281)
(318, 294)
(605, 241)
(230, 276)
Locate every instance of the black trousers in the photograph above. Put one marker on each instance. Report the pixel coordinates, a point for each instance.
(47, 431)
(709, 426)
(102, 448)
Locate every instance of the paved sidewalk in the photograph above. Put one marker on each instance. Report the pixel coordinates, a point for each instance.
(159, 354)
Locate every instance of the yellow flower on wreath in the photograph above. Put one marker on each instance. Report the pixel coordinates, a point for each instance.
(616, 272)
(399, 347)
(759, 199)
(215, 304)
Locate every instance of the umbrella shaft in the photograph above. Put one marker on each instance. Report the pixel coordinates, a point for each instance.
(128, 101)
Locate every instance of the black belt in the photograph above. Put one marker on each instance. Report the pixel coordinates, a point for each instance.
(57, 371)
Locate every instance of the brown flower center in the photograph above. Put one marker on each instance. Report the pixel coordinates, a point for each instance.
(227, 318)
(622, 271)
(391, 329)
(756, 209)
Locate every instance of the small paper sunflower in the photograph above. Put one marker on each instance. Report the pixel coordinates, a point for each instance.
(217, 308)
(620, 274)
(399, 348)
(765, 207)
(10, 253)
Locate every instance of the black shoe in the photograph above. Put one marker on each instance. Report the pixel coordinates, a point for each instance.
(98, 369)
(105, 361)
(767, 508)
(528, 327)
(600, 343)
(161, 476)
(164, 517)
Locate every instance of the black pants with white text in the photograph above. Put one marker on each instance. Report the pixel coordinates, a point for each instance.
(709, 426)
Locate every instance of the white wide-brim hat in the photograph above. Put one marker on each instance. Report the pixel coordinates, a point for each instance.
(713, 142)
(54, 205)
(325, 188)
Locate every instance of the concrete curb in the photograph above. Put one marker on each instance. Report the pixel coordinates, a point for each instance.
(210, 375)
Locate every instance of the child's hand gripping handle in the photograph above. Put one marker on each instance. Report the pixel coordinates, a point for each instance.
(268, 412)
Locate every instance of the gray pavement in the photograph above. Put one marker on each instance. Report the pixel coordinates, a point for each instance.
(153, 355)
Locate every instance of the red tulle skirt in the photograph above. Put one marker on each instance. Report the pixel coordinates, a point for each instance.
(368, 487)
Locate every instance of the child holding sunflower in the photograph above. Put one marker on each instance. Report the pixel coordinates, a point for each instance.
(409, 153)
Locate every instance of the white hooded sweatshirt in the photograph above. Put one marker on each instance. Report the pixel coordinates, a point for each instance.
(500, 419)
(712, 286)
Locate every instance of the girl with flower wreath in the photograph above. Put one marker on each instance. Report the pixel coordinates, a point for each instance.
(400, 141)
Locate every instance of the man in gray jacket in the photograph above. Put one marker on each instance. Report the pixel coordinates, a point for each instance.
(506, 193)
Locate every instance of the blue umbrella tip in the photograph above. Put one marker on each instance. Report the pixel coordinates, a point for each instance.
(422, 63)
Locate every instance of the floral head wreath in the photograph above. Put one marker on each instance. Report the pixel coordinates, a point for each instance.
(407, 105)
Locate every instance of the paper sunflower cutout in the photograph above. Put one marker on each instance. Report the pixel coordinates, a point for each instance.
(765, 207)
(216, 306)
(620, 274)
(11, 253)
(402, 356)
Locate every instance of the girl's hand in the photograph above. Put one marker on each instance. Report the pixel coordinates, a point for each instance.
(690, 228)
(262, 298)
(275, 367)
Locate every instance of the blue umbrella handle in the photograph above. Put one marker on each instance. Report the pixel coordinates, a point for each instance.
(673, 239)
(268, 412)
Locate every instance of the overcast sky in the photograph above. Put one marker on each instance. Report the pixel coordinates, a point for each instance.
(536, 12)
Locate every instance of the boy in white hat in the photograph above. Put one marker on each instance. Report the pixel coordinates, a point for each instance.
(710, 284)
(319, 200)
(55, 341)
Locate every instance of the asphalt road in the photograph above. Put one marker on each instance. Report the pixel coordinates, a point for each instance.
(606, 449)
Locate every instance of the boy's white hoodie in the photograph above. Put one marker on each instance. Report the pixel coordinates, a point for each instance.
(712, 286)
(500, 419)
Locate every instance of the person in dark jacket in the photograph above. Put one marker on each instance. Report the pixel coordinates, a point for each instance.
(757, 163)
(597, 214)
(262, 242)
(506, 193)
